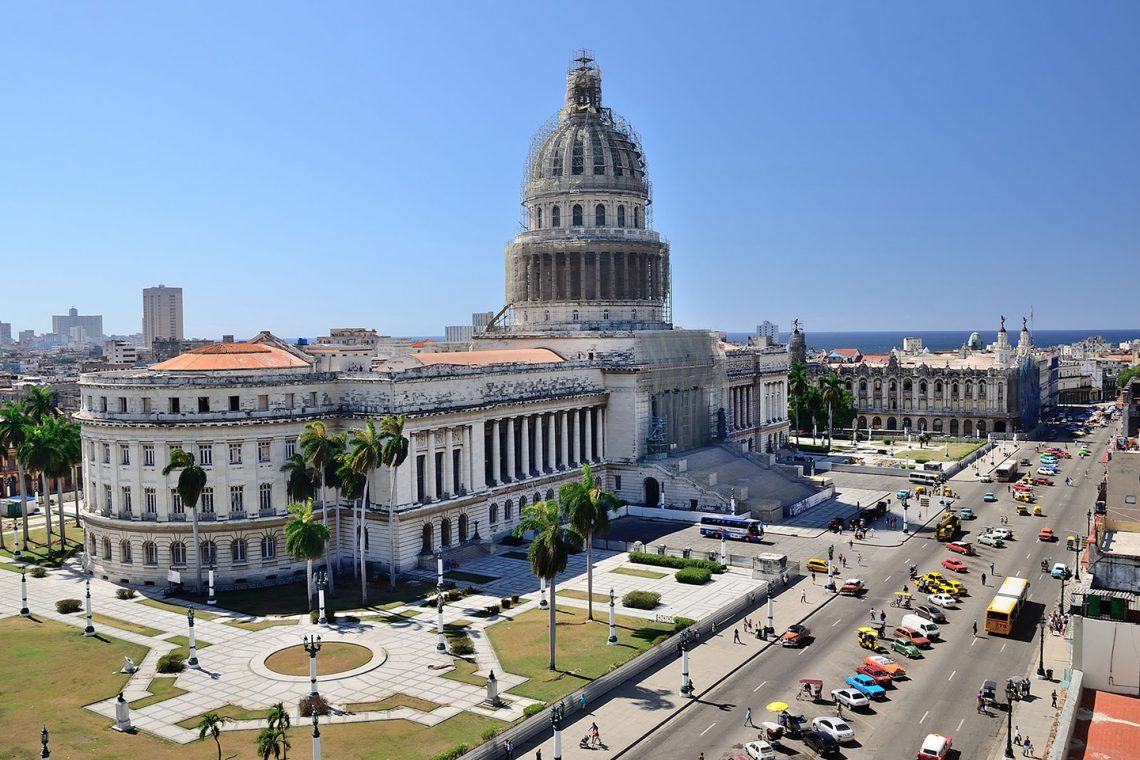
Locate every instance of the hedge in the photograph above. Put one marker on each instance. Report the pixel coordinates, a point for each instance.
(641, 600)
(315, 615)
(462, 646)
(694, 576)
(313, 703)
(681, 623)
(534, 709)
(677, 563)
(174, 662)
(67, 606)
(450, 754)
(37, 572)
(125, 593)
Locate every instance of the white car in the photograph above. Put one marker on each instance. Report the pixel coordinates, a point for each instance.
(850, 698)
(1005, 534)
(985, 478)
(835, 728)
(760, 750)
(943, 600)
(1046, 470)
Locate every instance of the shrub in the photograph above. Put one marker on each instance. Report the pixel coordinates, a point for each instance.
(505, 602)
(491, 609)
(174, 662)
(490, 733)
(315, 615)
(641, 600)
(469, 590)
(125, 593)
(313, 703)
(462, 646)
(681, 623)
(534, 709)
(676, 563)
(38, 572)
(921, 460)
(694, 576)
(514, 598)
(67, 606)
(450, 754)
(453, 595)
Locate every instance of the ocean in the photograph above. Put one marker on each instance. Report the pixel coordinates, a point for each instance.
(940, 340)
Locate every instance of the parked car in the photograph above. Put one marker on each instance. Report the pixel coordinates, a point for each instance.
(760, 750)
(886, 663)
(989, 539)
(965, 513)
(1003, 533)
(866, 686)
(1046, 534)
(1046, 470)
(797, 635)
(905, 647)
(931, 613)
(816, 564)
(911, 636)
(934, 747)
(850, 698)
(834, 727)
(877, 672)
(989, 497)
(955, 565)
(821, 744)
(852, 587)
(985, 478)
(961, 547)
(1042, 482)
(943, 600)
(1060, 570)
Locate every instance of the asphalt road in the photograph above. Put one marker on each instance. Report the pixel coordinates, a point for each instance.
(939, 695)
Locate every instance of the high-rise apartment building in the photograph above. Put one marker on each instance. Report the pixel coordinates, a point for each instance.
(162, 314)
(5, 333)
(768, 330)
(92, 326)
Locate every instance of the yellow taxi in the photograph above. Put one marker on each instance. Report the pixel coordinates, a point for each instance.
(816, 564)
(919, 490)
(953, 587)
(1022, 496)
(1022, 509)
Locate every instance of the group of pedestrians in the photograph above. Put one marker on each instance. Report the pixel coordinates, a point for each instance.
(1022, 742)
(1058, 623)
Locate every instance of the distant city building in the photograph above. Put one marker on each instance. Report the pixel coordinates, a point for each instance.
(120, 352)
(913, 345)
(162, 314)
(480, 320)
(350, 336)
(768, 329)
(27, 337)
(5, 333)
(61, 324)
(458, 333)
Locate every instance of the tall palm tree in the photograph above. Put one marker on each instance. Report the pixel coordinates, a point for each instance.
(191, 483)
(305, 539)
(38, 454)
(14, 424)
(549, 550)
(830, 393)
(351, 489)
(211, 725)
(272, 741)
(332, 477)
(278, 719)
(367, 455)
(57, 431)
(71, 449)
(299, 478)
(797, 383)
(394, 454)
(589, 506)
(319, 447)
(40, 403)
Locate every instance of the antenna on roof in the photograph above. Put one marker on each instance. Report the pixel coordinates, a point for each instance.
(584, 59)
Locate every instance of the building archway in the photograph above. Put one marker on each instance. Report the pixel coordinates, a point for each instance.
(954, 428)
(938, 426)
(863, 423)
(876, 423)
(463, 527)
(652, 492)
(444, 533)
(907, 424)
(981, 427)
(427, 538)
(922, 424)
(999, 426)
(968, 428)
(892, 423)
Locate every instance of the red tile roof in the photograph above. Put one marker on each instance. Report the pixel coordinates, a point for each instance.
(1108, 726)
(484, 358)
(219, 357)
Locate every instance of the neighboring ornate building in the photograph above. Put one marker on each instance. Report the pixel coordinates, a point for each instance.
(969, 392)
(582, 366)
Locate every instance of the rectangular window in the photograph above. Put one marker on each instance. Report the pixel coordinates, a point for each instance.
(237, 548)
(126, 500)
(265, 497)
(124, 454)
(203, 404)
(237, 499)
(290, 447)
(146, 405)
(176, 506)
(263, 403)
(102, 403)
(90, 406)
(151, 499)
(263, 451)
(312, 398)
(617, 482)
(235, 404)
(235, 453)
(91, 453)
(175, 406)
(206, 454)
(107, 498)
(150, 549)
(206, 501)
(122, 404)
(148, 454)
(106, 453)
(290, 400)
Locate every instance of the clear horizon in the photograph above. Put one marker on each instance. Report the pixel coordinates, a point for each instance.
(320, 167)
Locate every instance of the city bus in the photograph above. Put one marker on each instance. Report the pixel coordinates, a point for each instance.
(924, 478)
(1002, 612)
(736, 528)
(1006, 472)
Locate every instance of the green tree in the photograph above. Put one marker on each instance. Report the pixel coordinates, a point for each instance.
(367, 454)
(305, 539)
(56, 430)
(797, 384)
(549, 550)
(319, 447)
(191, 483)
(39, 455)
(71, 449)
(40, 403)
(211, 725)
(14, 425)
(272, 741)
(278, 719)
(393, 455)
(299, 478)
(351, 489)
(923, 438)
(830, 394)
(589, 506)
(1125, 376)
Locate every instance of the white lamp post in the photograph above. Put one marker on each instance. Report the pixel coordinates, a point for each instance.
(312, 646)
(90, 629)
(771, 628)
(210, 599)
(193, 661)
(24, 611)
(316, 738)
(612, 640)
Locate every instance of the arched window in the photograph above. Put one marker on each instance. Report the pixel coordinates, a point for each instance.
(574, 315)
(893, 386)
(599, 215)
(981, 392)
(557, 161)
(576, 215)
(862, 386)
(954, 391)
(238, 550)
(209, 553)
(445, 532)
(508, 510)
(522, 504)
(605, 314)
(577, 160)
(106, 548)
(846, 385)
(546, 316)
(633, 315)
(93, 548)
(938, 388)
(462, 528)
(269, 547)
(907, 387)
(969, 389)
(178, 553)
(150, 553)
(125, 551)
(555, 217)
(538, 218)
(621, 216)
(922, 388)
(494, 514)
(537, 497)
(550, 494)
(878, 384)
(637, 217)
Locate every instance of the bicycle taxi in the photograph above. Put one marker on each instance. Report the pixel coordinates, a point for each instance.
(810, 688)
(868, 638)
(902, 599)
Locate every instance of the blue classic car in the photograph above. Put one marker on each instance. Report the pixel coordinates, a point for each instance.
(866, 685)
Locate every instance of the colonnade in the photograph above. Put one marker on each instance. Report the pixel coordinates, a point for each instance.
(746, 413)
(528, 445)
(574, 276)
(440, 462)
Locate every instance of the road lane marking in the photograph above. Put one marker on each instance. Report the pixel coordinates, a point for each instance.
(951, 678)
(707, 729)
(758, 688)
(959, 725)
(906, 561)
(886, 579)
(1027, 556)
(836, 622)
(924, 717)
(975, 641)
(802, 650)
(1002, 649)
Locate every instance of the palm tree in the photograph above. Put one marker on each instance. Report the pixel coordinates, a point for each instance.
(71, 449)
(299, 478)
(923, 438)
(40, 403)
(14, 424)
(211, 724)
(394, 453)
(351, 488)
(332, 475)
(549, 550)
(278, 719)
(191, 483)
(319, 448)
(38, 454)
(797, 383)
(56, 429)
(272, 741)
(589, 506)
(305, 539)
(830, 393)
(367, 454)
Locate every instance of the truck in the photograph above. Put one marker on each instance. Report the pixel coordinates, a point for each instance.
(947, 527)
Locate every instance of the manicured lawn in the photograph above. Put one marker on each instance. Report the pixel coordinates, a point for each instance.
(639, 573)
(289, 599)
(332, 658)
(260, 625)
(179, 609)
(522, 647)
(456, 575)
(35, 551)
(575, 594)
(183, 644)
(233, 712)
(465, 673)
(392, 702)
(935, 453)
(141, 630)
(160, 689)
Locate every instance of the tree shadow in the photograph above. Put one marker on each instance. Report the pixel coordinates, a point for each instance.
(651, 699)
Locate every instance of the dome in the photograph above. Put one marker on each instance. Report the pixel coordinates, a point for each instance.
(586, 146)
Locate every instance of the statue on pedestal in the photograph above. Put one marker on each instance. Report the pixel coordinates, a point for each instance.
(123, 715)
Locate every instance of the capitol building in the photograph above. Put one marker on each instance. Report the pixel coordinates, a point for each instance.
(582, 365)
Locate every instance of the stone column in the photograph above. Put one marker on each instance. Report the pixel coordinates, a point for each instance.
(466, 473)
(589, 435)
(448, 459)
(575, 456)
(551, 442)
(476, 440)
(564, 460)
(597, 275)
(538, 450)
(406, 476)
(429, 490)
(496, 456)
(601, 432)
(512, 473)
(525, 446)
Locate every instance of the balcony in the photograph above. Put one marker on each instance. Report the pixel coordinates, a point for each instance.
(182, 418)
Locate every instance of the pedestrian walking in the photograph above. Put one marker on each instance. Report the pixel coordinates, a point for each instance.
(595, 735)
(882, 616)
(975, 628)
(838, 709)
(1017, 735)
(983, 579)
(1027, 747)
(813, 577)
(582, 702)
(850, 543)
(803, 595)
(509, 749)
(538, 754)
(748, 717)
(872, 614)
(859, 559)
(701, 756)
(735, 635)
(1054, 698)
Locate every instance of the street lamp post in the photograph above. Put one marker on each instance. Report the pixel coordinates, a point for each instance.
(24, 611)
(193, 661)
(16, 539)
(1061, 601)
(45, 753)
(1077, 561)
(770, 630)
(612, 640)
(312, 646)
(1041, 657)
(1009, 697)
(542, 592)
(557, 713)
(316, 738)
(440, 643)
(686, 638)
(210, 599)
(322, 587)
(90, 629)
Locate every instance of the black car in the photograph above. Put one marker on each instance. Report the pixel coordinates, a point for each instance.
(821, 744)
(930, 612)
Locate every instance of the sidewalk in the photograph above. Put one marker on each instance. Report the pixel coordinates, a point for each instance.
(635, 709)
(1036, 717)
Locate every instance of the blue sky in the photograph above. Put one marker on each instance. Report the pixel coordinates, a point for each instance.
(299, 166)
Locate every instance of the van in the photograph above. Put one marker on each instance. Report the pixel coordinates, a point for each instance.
(922, 625)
